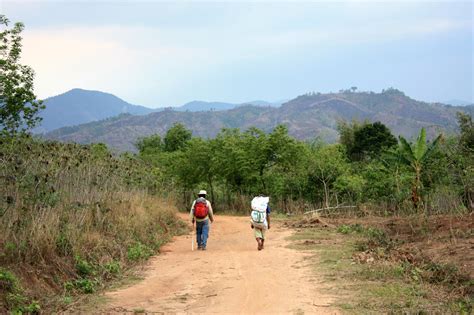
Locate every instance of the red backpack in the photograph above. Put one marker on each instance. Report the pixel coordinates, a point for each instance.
(200, 208)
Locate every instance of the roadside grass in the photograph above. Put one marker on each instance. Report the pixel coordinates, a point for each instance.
(74, 218)
(368, 283)
(91, 303)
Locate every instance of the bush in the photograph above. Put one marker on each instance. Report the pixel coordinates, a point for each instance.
(83, 267)
(73, 207)
(353, 228)
(113, 267)
(138, 251)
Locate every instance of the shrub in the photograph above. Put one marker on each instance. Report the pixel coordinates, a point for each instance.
(112, 267)
(73, 207)
(138, 251)
(83, 267)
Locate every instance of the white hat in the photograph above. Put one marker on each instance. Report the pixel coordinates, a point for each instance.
(202, 192)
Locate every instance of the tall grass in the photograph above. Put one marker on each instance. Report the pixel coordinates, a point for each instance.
(72, 216)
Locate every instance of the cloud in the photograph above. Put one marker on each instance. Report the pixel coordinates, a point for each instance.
(135, 61)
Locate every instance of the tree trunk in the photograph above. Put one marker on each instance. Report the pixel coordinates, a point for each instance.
(415, 195)
(263, 182)
(211, 187)
(326, 194)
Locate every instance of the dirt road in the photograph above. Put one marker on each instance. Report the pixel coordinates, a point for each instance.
(230, 277)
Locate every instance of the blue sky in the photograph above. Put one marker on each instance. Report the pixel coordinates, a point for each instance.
(157, 53)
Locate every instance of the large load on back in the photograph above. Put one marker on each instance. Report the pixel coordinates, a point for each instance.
(259, 211)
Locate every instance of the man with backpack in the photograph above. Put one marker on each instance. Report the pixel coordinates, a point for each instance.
(260, 218)
(201, 212)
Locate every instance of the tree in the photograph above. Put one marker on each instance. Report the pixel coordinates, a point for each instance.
(18, 104)
(258, 153)
(467, 130)
(150, 145)
(176, 138)
(415, 156)
(370, 140)
(347, 133)
(326, 164)
(232, 161)
(195, 165)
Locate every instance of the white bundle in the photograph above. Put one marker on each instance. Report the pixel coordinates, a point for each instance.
(260, 203)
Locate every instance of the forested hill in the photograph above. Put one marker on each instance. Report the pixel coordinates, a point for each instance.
(307, 116)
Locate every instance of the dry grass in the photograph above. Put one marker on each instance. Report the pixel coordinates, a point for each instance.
(72, 217)
(385, 265)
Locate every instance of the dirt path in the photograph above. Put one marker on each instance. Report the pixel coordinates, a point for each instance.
(230, 277)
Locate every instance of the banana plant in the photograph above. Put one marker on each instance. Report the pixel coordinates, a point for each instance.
(415, 156)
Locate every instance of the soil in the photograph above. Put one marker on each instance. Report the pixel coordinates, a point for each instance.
(447, 239)
(231, 276)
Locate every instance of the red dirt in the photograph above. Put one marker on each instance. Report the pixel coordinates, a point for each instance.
(230, 277)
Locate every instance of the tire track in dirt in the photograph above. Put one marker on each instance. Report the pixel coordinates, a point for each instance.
(231, 276)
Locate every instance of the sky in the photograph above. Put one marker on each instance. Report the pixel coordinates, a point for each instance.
(160, 53)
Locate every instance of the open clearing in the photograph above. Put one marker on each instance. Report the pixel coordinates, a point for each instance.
(230, 277)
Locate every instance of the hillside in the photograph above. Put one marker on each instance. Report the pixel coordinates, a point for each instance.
(307, 116)
(79, 106)
(196, 106)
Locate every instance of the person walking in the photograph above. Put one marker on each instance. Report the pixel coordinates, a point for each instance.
(260, 219)
(201, 213)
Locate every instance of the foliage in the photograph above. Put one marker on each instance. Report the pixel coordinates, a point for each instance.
(18, 103)
(371, 140)
(326, 165)
(467, 130)
(237, 165)
(138, 251)
(416, 156)
(176, 138)
(365, 140)
(150, 145)
(78, 209)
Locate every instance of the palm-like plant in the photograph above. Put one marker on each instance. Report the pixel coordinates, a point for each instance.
(415, 156)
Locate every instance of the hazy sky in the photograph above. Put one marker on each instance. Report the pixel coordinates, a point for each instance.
(157, 53)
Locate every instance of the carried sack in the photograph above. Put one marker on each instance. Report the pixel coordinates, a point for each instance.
(260, 203)
(201, 209)
(259, 211)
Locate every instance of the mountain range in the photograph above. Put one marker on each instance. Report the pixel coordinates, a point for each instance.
(79, 106)
(306, 116)
(198, 106)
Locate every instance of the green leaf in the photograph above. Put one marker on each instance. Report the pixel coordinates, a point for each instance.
(420, 147)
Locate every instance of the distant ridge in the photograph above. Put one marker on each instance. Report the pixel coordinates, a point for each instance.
(307, 116)
(198, 106)
(79, 106)
(458, 102)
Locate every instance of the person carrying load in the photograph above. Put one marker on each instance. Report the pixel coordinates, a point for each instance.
(201, 212)
(260, 218)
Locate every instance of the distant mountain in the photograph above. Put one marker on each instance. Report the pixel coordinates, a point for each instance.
(79, 106)
(307, 116)
(198, 106)
(265, 103)
(458, 103)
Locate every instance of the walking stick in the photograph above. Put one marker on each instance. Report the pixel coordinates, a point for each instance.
(192, 238)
